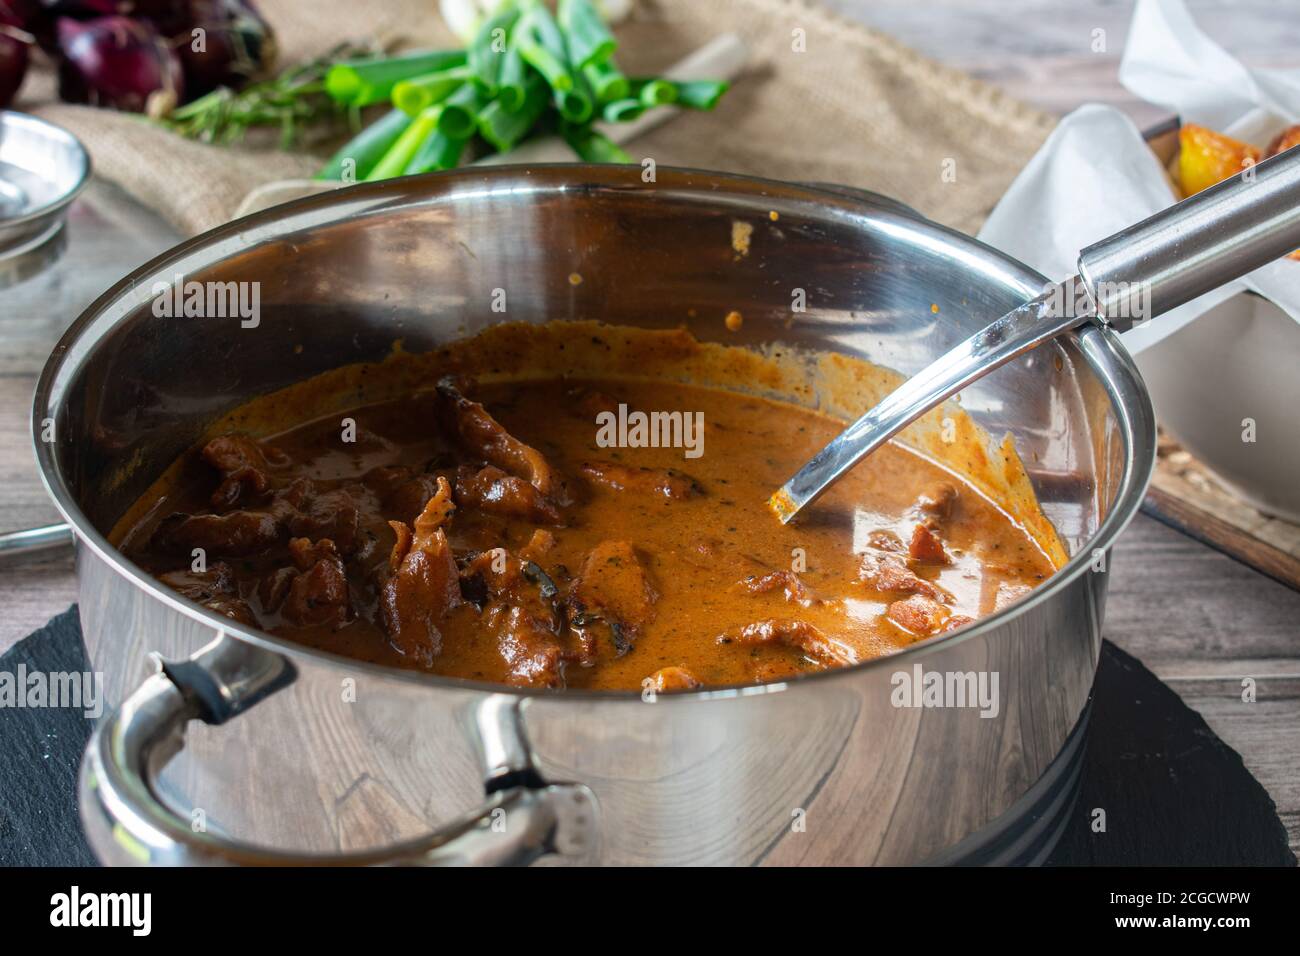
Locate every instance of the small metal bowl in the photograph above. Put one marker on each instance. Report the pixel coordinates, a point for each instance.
(42, 169)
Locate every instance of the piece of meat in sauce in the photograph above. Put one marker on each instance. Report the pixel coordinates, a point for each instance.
(882, 539)
(297, 510)
(926, 546)
(669, 679)
(498, 575)
(273, 588)
(938, 500)
(956, 621)
(234, 534)
(919, 615)
(538, 545)
(613, 586)
(492, 491)
(661, 482)
(530, 648)
(886, 571)
(318, 594)
(789, 583)
(484, 436)
(402, 491)
(214, 588)
(800, 635)
(424, 584)
(245, 465)
(521, 609)
(935, 505)
(332, 514)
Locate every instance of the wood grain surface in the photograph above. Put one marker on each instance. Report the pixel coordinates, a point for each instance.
(1200, 620)
(1187, 495)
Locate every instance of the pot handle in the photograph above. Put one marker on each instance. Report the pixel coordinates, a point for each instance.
(127, 823)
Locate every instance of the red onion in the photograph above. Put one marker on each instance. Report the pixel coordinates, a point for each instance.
(120, 63)
(21, 13)
(86, 9)
(41, 16)
(89, 9)
(236, 44)
(14, 41)
(152, 9)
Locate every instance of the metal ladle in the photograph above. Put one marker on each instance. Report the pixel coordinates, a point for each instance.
(1182, 252)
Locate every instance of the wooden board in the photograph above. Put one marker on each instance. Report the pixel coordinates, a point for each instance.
(1186, 495)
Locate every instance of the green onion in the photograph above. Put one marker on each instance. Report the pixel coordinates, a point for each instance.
(588, 39)
(699, 94)
(418, 93)
(653, 92)
(395, 161)
(606, 81)
(622, 111)
(503, 128)
(460, 112)
(576, 105)
(541, 44)
(439, 151)
(368, 81)
(524, 68)
(511, 82)
(483, 57)
(593, 147)
(366, 148)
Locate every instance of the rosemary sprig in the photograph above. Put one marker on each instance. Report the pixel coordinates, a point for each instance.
(290, 100)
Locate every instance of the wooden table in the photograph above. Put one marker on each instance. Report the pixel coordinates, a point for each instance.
(1201, 620)
(109, 234)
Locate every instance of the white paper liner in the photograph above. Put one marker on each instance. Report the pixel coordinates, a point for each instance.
(1095, 174)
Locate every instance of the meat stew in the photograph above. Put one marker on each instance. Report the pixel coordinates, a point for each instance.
(488, 529)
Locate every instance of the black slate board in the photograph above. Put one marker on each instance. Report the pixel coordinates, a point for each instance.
(40, 751)
(1173, 792)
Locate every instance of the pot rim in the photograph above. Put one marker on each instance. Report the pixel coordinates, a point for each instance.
(1105, 353)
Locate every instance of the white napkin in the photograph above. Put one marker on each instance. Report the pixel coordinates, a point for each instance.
(1095, 174)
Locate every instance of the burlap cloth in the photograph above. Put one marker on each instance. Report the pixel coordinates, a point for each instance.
(855, 108)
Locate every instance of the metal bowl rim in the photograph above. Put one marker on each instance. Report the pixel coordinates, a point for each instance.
(65, 199)
(1106, 355)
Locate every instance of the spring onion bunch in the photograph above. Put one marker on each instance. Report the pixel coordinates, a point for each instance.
(523, 70)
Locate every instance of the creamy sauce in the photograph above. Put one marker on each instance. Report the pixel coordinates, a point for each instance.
(705, 558)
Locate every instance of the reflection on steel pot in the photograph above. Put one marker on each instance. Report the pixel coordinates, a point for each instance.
(285, 753)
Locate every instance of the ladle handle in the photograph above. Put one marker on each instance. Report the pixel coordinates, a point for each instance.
(1197, 245)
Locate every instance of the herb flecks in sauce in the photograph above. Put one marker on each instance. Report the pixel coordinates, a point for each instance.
(476, 530)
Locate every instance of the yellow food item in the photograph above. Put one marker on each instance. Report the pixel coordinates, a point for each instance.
(1206, 157)
(1283, 141)
(741, 232)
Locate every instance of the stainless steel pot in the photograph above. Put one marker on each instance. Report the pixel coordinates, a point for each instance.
(339, 760)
